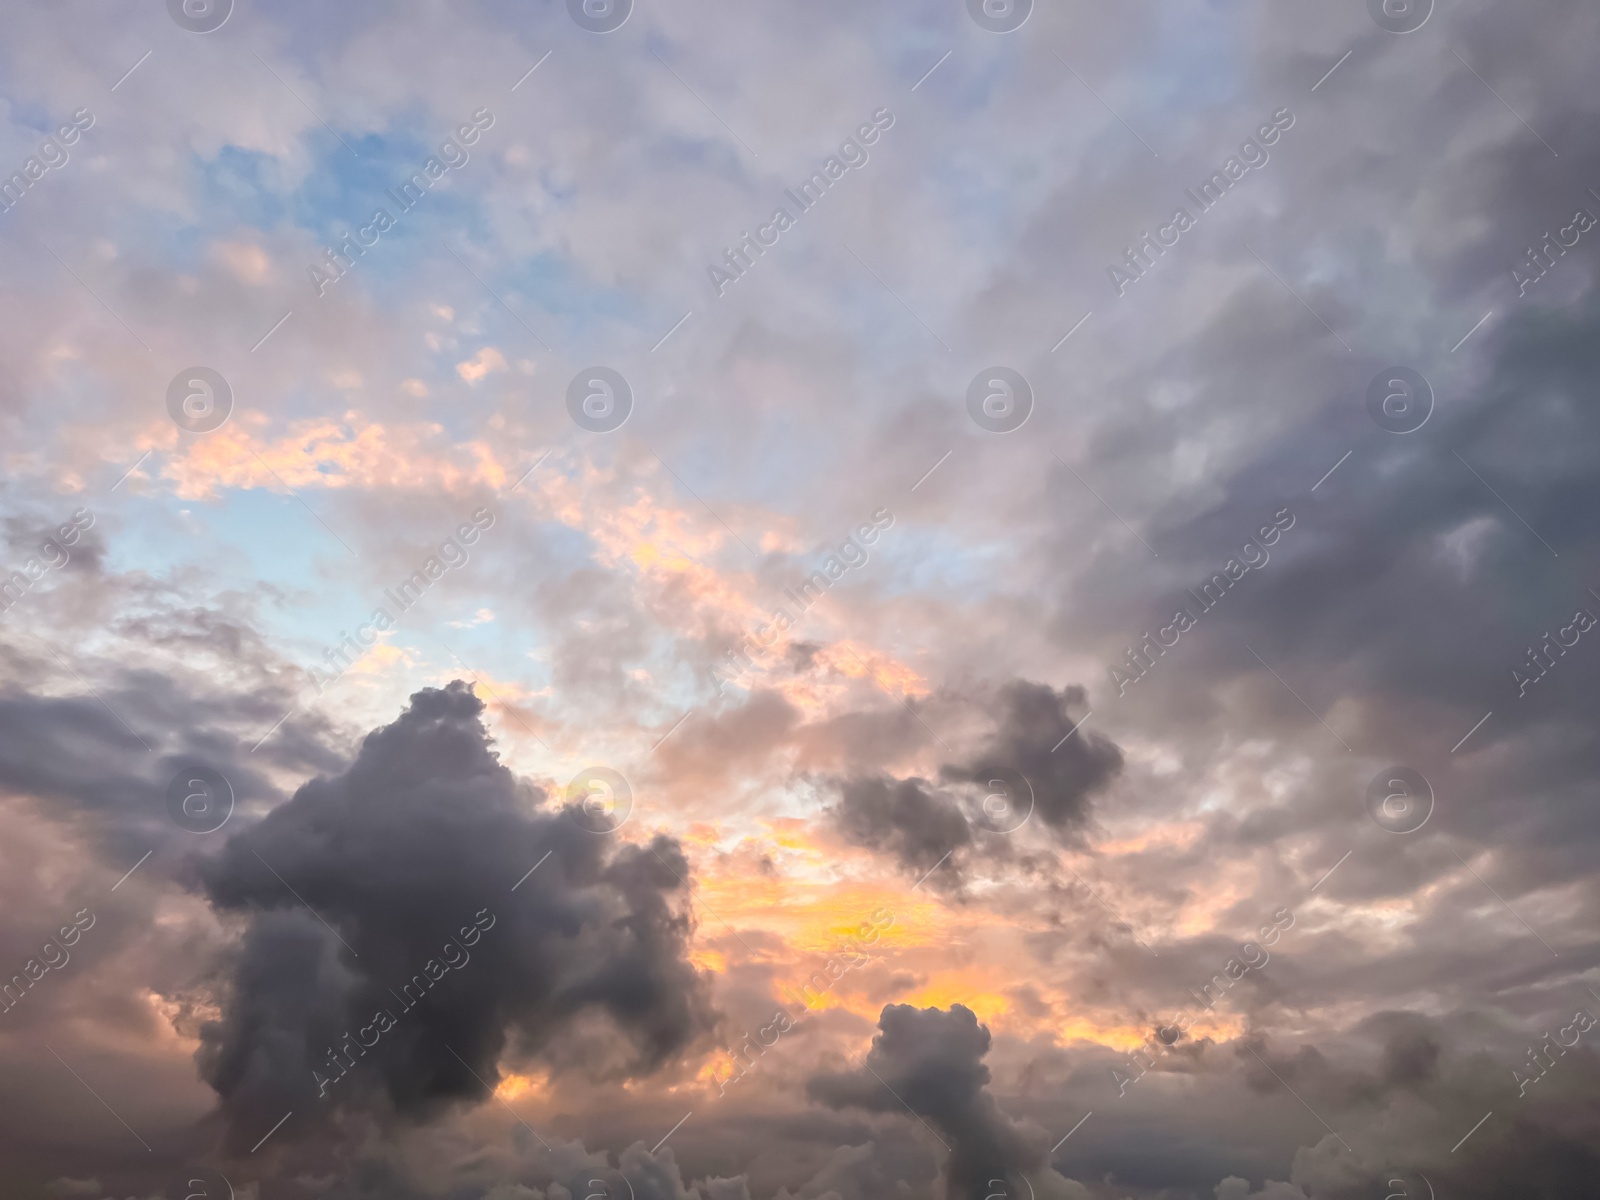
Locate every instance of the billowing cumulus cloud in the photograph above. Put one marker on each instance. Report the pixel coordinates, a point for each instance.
(903, 817)
(1034, 738)
(383, 939)
(1031, 766)
(930, 1062)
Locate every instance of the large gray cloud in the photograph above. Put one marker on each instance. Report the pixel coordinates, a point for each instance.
(1031, 738)
(903, 818)
(398, 874)
(930, 1061)
(1031, 766)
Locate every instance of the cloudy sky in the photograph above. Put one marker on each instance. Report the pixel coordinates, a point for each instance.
(664, 601)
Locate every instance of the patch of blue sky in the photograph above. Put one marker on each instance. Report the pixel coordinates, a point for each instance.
(339, 191)
(240, 187)
(252, 542)
(346, 195)
(281, 542)
(33, 118)
(341, 187)
(724, 461)
(592, 309)
(160, 533)
(576, 314)
(562, 549)
(308, 589)
(1199, 60)
(911, 559)
(461, 641)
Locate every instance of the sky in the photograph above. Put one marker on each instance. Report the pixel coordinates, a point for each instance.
(979, 600)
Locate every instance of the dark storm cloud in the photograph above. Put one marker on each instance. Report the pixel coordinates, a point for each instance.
(1028, 768)
(931, 1061)
(1384, 569)
(1341, 1115)
(104, 762)
(1412, 1087)
(1409, 590)
(1031, 739)
(410, 857)
(903, 818)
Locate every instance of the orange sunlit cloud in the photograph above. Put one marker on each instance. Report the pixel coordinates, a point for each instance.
(669, 547)
(352, 452)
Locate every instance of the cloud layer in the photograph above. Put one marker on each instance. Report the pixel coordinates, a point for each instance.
(1198, 709)
(381, 917)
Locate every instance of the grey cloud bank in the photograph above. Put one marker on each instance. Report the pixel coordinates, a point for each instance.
(1253, 156)
(853, 155)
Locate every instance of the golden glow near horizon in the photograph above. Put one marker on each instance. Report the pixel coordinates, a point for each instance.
(943, 954)
(817, 898)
